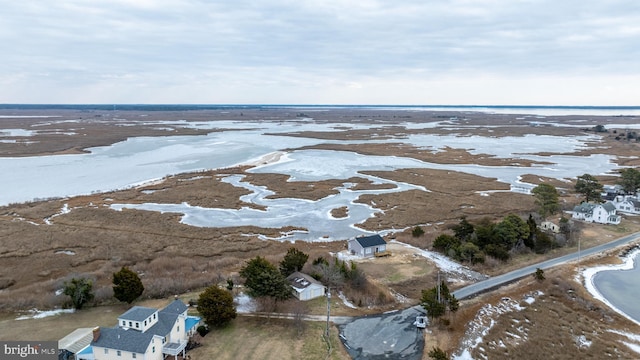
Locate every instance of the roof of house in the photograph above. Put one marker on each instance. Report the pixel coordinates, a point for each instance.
(584, 208)
(137, 313)
(300, 281)
(190, 322)
(76, 340)
(122, 339)
(165, 323)
(608, 206)
(176, 307)
(371, 240)
(137, 341)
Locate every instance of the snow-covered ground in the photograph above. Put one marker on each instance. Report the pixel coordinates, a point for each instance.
(39, 314)
(244, 303)
(445, 264)
(484, 321)
(346, 301)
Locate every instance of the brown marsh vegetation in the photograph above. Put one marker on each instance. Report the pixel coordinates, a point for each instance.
(41, 247)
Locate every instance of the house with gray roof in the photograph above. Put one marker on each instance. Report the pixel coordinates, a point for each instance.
(143, 333)
(597, 213)
(627, 204)
(305, 287)
(367, 246)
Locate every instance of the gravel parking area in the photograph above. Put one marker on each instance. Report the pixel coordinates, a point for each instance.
(386, 336)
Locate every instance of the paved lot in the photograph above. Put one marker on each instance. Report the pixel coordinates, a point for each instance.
(385, 336)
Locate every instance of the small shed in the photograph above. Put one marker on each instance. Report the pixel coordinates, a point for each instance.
(367, 246)
(305, 287)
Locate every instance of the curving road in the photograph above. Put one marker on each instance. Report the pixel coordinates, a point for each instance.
(494, 282)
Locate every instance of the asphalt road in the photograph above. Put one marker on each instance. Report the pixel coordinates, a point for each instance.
(494, 282)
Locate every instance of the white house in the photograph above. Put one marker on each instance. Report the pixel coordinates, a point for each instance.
(598, 213)
(305, 287)
(143, 333)
(367, 246)
(627, 204)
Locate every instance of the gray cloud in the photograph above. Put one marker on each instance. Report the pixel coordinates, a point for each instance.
(318, 51)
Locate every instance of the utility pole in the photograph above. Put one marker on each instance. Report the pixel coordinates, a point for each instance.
(438, 291)
(578, 253)
(328, 310)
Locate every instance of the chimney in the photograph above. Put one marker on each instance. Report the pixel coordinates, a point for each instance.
(96, 333)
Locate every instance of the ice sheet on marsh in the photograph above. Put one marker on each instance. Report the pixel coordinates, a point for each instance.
(136, 160)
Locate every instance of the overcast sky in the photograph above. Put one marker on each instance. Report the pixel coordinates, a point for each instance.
(469, 52)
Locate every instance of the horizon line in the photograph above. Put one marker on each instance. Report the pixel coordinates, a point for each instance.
(6, 105)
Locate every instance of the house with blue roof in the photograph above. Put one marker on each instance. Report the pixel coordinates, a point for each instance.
(367, 246)
(143, 333)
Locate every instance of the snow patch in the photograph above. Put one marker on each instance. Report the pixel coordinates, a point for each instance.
(444, 263)
(635, 338)
(345, 301)
(38, 314)
(582, 342)
(484, 321)
(245, 303)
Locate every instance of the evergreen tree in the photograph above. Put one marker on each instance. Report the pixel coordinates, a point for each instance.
(216, 306)
(629, 180)
(463, 230)
(80, 290)
(263, 279)
(588, 186)
(127, 285)
(417, 231)
(533, 227)
(445, 242)
(438, 354)
(293, 261)
(436, 300)
(546, 199)
(511, 230)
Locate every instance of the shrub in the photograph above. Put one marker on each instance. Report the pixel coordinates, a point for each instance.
(417, 231)
(202, 330)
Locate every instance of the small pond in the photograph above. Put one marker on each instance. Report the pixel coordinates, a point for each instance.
(620, 286)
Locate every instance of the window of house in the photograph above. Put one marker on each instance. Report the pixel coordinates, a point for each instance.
(124, 323)
(137, 325)
(106, 351)
(145, 323)
(153, 349)
(133, 355)
(154, 316)
(119, 353)
(367, 251)
(178, 328)
(130, 324)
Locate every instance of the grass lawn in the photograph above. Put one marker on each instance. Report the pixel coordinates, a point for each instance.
(254, 338)
(244, 338)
